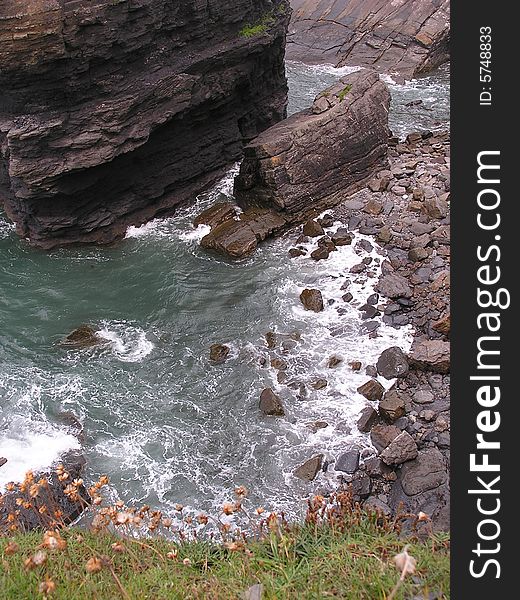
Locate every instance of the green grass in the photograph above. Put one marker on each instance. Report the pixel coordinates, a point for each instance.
(344, 92)
(319, 561)
(250, 31)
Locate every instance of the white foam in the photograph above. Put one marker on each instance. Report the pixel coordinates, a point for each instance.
(6, 228)
(30, 445)
(128, 343)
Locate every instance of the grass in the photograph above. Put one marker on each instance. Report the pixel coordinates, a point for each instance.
(250, 31)
(344, 92)
(350, 556)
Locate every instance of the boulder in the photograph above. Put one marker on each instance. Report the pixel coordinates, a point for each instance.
(342, 237)
(443, 325)
(310, 468)
(382, 435)
(348, 462)
(84, 336)
(372, 390)
(392, 363)
(435, 207)
(401, 449)
(430, 355)
(392, 406)
(312, 300)
(312, 228)
(314, 158)
(334, 361)
(2, 461)
(368, 418)
(393, 286)
(427, 472)
(270, 404)
(216, 215)
(320, 254)
(319, 384)
(218, 353)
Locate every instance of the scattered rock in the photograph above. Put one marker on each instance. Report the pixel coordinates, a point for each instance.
(426, 472)
(342, 237)
(313, 229)
(382, 435)
(401, 449)
(348, 297)
(372, 390)
(279, 364)
(392, 363)
(334, 361)
(312, 300)
(270, 404)
(369, 417)
(270, 338)
(319, 384)
(435, 207)
(418, 254)
(423, 397)
(443, 325)
(430, 355)
(355, 365)
(348, 462)
(392, 406)
(394, 286)
(320, 253)
(218, 353)
(295, 252)
(84, 336)
(310, 468)
(317, 425)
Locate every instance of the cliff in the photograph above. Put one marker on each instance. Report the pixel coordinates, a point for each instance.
(404, 36)
(115, 111)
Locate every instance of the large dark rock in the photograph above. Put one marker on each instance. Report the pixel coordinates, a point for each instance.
(392, 406)
(425, 473)
(270, 404)
(372, 390)
(312, 300)
(430, 355)
(84, 336)
(382, 435)
(316, 156)
(393, 286)
(401, 449)
(392, 363)
(218, 353)
(310, 468)
(409, 37)
(368, 418)
(50, 498)
(348, 462)
(113, 112)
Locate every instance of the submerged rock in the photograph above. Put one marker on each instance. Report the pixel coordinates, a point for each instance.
(218, 353)
(84, 336)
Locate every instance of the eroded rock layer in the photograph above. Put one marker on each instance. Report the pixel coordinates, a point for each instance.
(115, 111)
(404, 36)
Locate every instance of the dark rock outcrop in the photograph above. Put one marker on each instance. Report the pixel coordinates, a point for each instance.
(372, 390)
(218, 353)
(113, 112)
(270, 404)
(392, 363)
(312, 300)
(84, 336)
(316, 157)
(408, 37)
(310, 468)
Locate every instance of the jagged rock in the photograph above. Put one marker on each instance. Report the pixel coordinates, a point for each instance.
(84, 336)
(393, 286)
(317, 425)
(423, 397)
(295, 252)
(334, 361)
(312, 300)
(435, 207)
(443, 325)
(418, 254)
(216, 215)
(320, 254)
(392, 406)
(400, 450)
(2, 461)
(313, 160)
(310, 468)
(312, 228)
(114, 112)
(382, 435)
(426, 472)
(342, 237)
(319, 384)
(361, 486)
(218, 353)
(409, 37)
(348, 462)
(372, 390)
(392, 363)
(369, 417)
(271, 339)
(52, 497)
(355, 365)
(430, 355)
(270, 404)
(279, 364)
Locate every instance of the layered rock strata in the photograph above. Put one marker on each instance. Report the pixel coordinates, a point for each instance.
(115, 111)
(405, 36)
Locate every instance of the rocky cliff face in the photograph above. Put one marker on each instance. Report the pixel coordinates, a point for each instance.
(115, 111)
(404, 36)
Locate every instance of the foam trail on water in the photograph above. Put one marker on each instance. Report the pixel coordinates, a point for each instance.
(128, 343)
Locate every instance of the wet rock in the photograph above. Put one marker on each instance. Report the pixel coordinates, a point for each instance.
(348, 297)
(216, 215)
(2, 461)
(310, 468)
(369, 311)
(373, 299)
(443, 325)
(334, 361)
(270, 338)
(376, 468)
(401, 449)
(369, 417)
(392, 363)
(270, 404)
(84, 336)
(373, 206)
(359, 268)
(430, 355)
(317, 425)
(392, 406)
(371, 371)
(312, 300)
(348, 462)
(312, 228)
(319, 384)
(372, 390)
(382, 435)
(218, 353)
(326, 221)
(320, 253)
(394, 286)
(342, 237)
(279, 364)
(295, 252)
(355, 365)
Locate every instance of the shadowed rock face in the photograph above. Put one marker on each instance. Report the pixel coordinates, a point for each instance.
(404, 36)
(115, 111)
